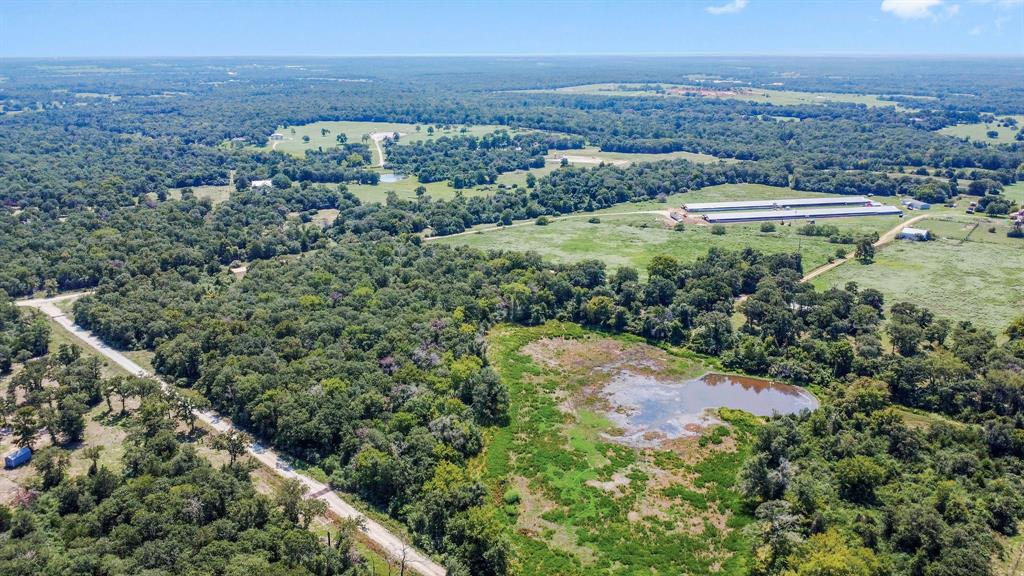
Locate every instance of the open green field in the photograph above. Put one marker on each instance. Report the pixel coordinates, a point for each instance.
(355, 131)
(577, 502)
(624, 238)
(406, 188)
(216, 194)
(977, 131)
(763, 95)
(594, 155)
(1015, 192)
(980, 279)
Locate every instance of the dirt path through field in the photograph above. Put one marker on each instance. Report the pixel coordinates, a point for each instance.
(379, 137)
(882, 241)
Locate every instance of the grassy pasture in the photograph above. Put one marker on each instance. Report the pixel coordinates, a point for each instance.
(980, 279)
(633, 239)
(295, 145)
(594, 155)
(1015, 192)
(977, 131)
(578, 503)
(216, 194)
(762, 95)
(406, 188)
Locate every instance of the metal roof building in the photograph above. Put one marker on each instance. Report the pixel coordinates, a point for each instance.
(908, 233)
(807, 214)
(776, 204)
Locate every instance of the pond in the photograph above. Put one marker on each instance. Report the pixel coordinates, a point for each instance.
(649, 410)
(391, 178)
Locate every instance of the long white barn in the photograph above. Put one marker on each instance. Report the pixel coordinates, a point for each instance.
(807, 214)
(776, 204)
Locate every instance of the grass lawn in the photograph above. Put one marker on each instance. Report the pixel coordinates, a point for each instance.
(578, 503)
(632, 240)
(977, 131)
(764, 95)
(295, 145)
(216, 194)
(593, 155)
(406, 188)
(1015, 192)
(980, 279)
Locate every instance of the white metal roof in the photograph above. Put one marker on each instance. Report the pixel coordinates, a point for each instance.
(808, 213)
(781, 203)
(914, 231)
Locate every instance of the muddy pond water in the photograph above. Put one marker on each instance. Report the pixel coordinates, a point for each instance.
(649, 410)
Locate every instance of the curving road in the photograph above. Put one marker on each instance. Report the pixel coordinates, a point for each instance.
(391, 544)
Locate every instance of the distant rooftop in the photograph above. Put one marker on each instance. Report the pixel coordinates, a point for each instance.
(770, 204)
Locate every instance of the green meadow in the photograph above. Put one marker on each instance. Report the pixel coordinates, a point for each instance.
(578, 503)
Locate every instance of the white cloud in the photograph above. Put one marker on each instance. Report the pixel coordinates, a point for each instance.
(952, 10)
(910, 9)
(976, 31)
(731, 7)
(1000, 3)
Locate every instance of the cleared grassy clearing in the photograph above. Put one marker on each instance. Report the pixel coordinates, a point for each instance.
(294, 144)
(577, 503)
(768, 96)
(633, 239)
(406, 188)
(1015, 192)
(215, 194)
(977, 131)
(593, 155)
(981, 280)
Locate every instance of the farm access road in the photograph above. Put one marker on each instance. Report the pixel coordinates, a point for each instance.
(388, 542)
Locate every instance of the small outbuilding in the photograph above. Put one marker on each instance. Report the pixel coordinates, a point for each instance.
(18, 457)
(277, 136)
(912, 204)
(909, 233)
(261, 183)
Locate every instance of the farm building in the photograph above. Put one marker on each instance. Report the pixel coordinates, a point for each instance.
(775, 204)
(277, 136)
(808, 214)
(909, 233)
(261, 183)
(17, 458)
(912, 204)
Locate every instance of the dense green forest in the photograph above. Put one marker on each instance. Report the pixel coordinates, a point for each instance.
(163, 509)
(328, 327)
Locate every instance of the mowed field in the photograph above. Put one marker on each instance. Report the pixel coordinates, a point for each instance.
(294, 144)
(763, 95)
(406, 188)
(977, 131)
(624, 238)
(980, 279)
(594, 155)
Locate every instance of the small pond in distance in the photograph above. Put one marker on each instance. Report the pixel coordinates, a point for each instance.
(649, 410)
(391, 178)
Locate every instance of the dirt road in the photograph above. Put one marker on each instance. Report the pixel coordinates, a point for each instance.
(379, 137)
(391, 544)
(882, 241)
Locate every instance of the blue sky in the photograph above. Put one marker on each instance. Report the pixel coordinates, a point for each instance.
(138, 29)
